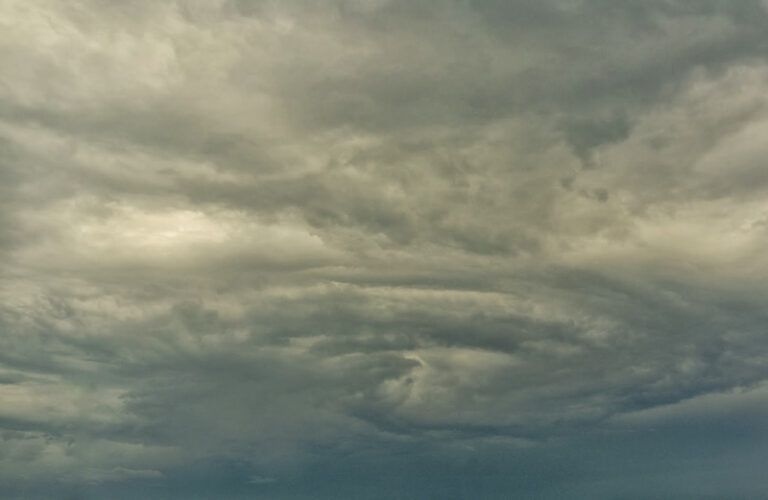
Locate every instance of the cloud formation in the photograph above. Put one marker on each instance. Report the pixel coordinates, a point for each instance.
(383, 248)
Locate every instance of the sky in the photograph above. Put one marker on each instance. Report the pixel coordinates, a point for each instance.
(383, 249)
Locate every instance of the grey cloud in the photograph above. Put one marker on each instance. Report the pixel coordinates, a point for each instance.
(382, 249)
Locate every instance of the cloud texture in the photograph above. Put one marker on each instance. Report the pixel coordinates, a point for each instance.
(383, 249)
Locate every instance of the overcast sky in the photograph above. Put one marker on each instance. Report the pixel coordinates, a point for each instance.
(383, 249)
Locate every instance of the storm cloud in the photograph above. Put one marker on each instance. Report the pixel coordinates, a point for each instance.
(383, 249)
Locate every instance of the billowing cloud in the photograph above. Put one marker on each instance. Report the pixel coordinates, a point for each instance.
(383, 249)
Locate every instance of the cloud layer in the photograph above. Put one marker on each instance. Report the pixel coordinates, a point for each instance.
(383, 249)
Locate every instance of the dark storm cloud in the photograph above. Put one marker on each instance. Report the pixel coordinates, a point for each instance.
(382, 249)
